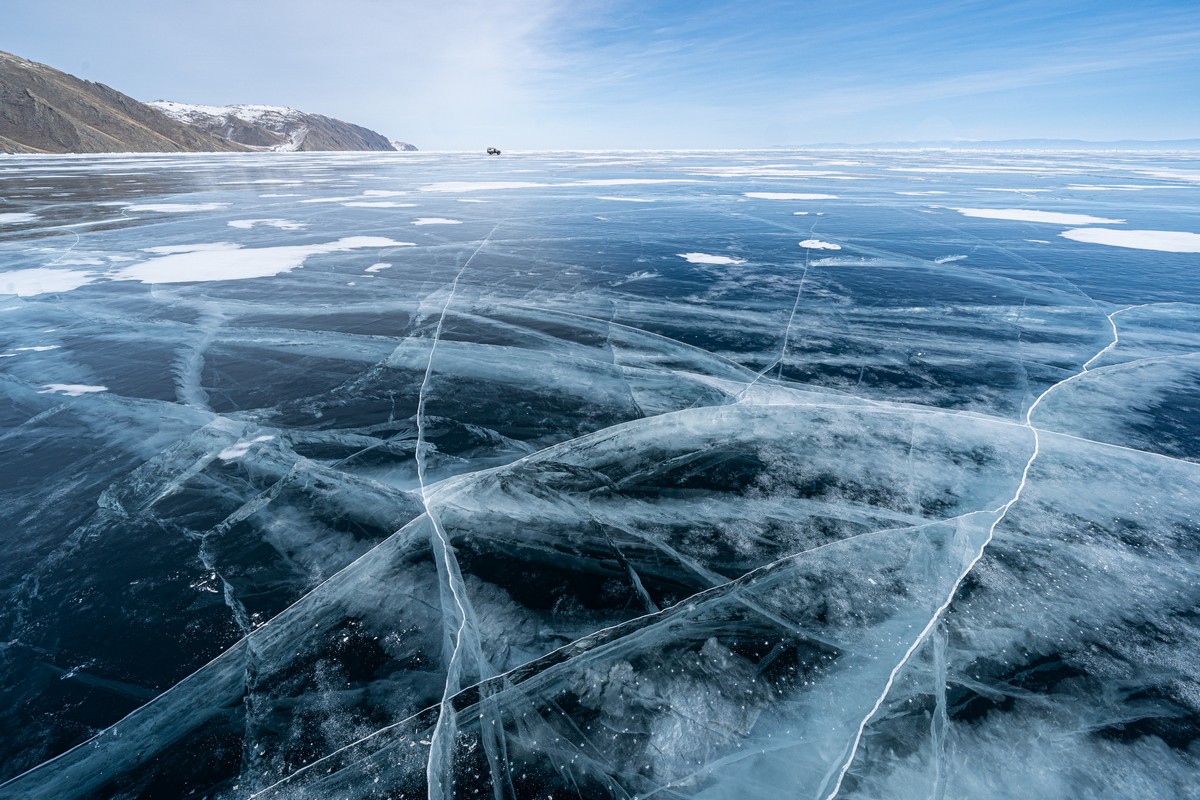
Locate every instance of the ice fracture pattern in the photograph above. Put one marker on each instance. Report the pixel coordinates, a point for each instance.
(600, 475)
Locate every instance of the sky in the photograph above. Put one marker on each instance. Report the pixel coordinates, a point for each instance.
(587, 74)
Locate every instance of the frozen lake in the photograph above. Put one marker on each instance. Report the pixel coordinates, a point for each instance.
(600, 475)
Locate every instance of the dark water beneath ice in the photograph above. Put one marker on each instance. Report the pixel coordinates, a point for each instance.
(599, 475)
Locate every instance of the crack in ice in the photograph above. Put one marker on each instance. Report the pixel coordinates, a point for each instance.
(937, 615)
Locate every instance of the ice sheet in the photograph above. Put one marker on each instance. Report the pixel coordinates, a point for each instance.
(595, 499)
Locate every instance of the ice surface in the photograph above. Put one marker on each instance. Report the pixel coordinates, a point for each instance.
(589, 499)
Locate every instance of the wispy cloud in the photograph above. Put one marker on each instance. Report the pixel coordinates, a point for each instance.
(588, 73)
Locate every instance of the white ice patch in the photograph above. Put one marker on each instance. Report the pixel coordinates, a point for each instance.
(627, 199)
(799, 213)
(436, 221)
(705, 258)
(281, 224)
(236, 451)
(948, 259)
(41, 348)
(225, 261)
(817, 244)
(790, 196)
(71, 389)
(174, 208)
(14, 218)
(849, 261)
(383, 193)
(378, 204)
(31, 282)
(628, 181)
(380, 267)
(480, 186)
(1163, 241)
(1025, 215)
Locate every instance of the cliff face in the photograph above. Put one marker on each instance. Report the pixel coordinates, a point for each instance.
(274, 127)
(43, 110)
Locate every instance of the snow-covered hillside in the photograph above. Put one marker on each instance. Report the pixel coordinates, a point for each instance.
(274, 127)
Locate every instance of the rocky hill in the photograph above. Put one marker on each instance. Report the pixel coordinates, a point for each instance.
(43, 110)
(274, 127)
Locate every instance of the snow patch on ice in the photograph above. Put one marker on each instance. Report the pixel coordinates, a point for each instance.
(239, 449)
(790, 196)
(173, 208)
(642, 275)
(1026, 215)
(949, 259)
(71, 389)
(1163, 241)
(705, 258)
(628, 181)
(13, 218)
(480, 186)
(436, 221)
(817, 244)
(380, 267)
(225, 261)
(378, 204)
(40, 280)
(281, 224)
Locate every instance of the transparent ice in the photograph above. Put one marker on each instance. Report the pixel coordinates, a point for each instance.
(654, 475)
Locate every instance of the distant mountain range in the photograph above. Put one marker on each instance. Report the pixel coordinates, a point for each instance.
(44, 110)
(1008, 144)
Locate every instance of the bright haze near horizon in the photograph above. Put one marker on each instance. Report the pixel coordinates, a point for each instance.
(529, 74)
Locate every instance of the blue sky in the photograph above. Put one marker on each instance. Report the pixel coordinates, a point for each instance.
(527, 74)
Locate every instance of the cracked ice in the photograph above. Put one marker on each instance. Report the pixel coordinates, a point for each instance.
(586, 499)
